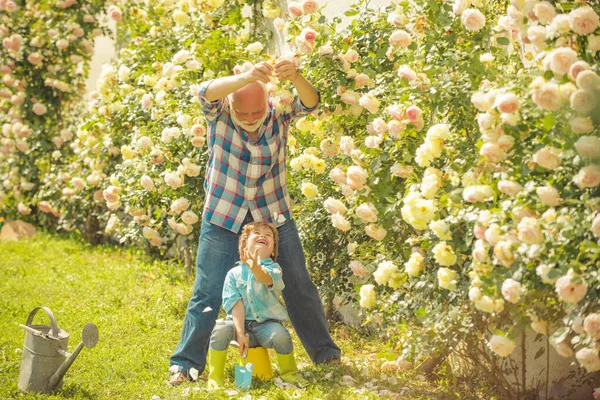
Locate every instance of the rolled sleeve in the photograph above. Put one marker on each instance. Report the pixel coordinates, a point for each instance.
(230, 293)
(211, 109)
(299, 110)
(276, 274)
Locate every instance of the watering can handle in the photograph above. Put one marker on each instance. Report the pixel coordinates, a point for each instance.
(50, 315)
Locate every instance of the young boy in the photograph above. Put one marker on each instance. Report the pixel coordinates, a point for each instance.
(254, 313)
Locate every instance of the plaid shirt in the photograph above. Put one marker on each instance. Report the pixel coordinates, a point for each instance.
(242, 175)
(260, 301)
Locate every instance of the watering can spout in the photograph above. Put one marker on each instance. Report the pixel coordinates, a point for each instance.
(89, 338)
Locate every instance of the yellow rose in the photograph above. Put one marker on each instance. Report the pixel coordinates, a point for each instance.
(309, 190)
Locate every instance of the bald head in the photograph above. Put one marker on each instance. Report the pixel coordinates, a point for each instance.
(249, 106)
(251, 94)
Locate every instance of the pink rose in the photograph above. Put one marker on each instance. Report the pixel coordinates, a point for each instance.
(563, 348)
(309, 34)
(507, 103)
(337, 176)
(35, 58)
(351, 56)
(577, 67)
(400, 38)
(561, 60)
(407, 73)
(358, 269)
(362, 80)
(114, 13)
(198, 141)
(39, 109)
(504, 254)
(591, 324)
(479, 232)
(23, 209)
(547, 96)
(492, 152)
(413, 113)
(334, 206)
(583, 20)
(44, 207)
(309, 6)
(588, 177)
(350, 97)
(295, 9)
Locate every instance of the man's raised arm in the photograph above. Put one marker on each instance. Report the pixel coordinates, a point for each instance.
(226, 85)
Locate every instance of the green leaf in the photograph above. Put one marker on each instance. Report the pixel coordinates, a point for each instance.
(503, 41)
(549, 122)
(351, 13)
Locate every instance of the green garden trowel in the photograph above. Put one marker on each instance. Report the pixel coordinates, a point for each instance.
(243, 374)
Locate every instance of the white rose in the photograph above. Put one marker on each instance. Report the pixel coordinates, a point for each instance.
(511, 291)
(561, 60)
(189, 217)
(582, 101)
(367, 296)
(569, 291)
(334, 206)
(581, 125)
(547, 157)
(549, 195)
(460, 6)
(588, 146)
(588, 177)
(588, 80)
(547, 96)
(473, 19)
(492, 152)
(501, 345)
(595, 228)
(530, 232)
(510, 188)
(376, 232)
(591, 325)
(180, 205)
(577, 67)
(366, 212)
(545, 12)
(588, 359)
(593, 44)
(480, 101)
(340, 222)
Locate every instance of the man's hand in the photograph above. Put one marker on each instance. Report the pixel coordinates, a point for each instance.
(259, 72)
(286, 71)
(243, 341)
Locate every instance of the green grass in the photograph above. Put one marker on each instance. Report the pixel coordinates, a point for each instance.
(138, 306)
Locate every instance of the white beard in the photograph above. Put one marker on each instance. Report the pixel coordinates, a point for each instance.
(246, 126)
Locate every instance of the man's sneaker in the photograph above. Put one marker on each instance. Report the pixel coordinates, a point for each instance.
(177, 379)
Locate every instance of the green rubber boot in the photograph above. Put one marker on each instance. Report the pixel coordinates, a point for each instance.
(216, 368)
(288, 370)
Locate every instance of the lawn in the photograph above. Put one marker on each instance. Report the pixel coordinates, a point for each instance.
(138, 305)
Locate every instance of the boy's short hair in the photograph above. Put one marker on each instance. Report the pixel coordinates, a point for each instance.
(246, 233)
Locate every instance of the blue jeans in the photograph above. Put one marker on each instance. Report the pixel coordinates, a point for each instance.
(268, 334)
(217, 254)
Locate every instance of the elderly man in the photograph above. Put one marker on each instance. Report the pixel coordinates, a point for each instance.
(246, 181)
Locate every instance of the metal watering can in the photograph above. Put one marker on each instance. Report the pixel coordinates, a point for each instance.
(45, 358)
